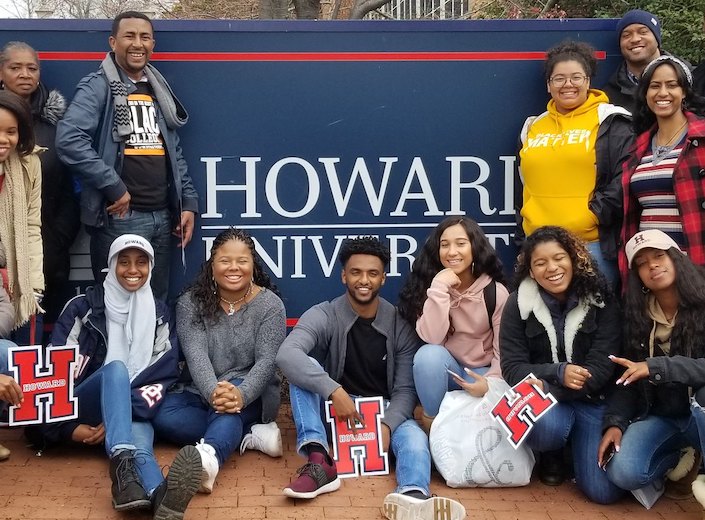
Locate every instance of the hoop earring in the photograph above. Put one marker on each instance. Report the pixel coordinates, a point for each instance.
(645, 290)
(472, 268)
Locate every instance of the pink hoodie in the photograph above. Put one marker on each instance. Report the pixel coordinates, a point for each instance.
(473, 344)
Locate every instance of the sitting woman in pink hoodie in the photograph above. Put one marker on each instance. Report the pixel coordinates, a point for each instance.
(454, 296)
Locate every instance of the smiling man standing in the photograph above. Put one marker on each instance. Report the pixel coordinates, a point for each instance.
(639, 34)
(119, 137)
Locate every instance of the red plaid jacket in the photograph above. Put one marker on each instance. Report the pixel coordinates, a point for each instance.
(689, 187)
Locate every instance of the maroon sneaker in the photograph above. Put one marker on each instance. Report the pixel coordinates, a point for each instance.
(315, 477)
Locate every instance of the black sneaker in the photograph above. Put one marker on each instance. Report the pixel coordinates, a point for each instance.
(127, 490)
(552, 468)
(416, 505)
(171, 498)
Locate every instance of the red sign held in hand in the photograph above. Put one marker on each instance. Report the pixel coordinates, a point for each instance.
(520, 408)
(359, 452)
(47, 385)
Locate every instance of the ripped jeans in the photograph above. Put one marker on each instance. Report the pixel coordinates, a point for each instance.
(651, 447)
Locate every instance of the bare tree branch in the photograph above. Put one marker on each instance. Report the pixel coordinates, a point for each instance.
(307, 9)
(362, 7)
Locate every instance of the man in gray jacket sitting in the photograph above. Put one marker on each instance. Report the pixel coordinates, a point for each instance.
(358, 346)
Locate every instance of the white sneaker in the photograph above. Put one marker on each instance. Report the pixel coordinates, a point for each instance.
(398, 506)
(210, 466)
(699, 489)
(265, 438)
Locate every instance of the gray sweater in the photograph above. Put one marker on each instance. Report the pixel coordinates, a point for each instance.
(322, 333)
(240, 346)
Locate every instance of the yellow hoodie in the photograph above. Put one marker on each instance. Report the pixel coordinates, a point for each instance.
(558, 167)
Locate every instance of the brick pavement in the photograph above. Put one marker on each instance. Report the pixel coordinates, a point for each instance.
(73, 483)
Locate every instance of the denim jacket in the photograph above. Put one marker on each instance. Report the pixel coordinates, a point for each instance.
(87, 143)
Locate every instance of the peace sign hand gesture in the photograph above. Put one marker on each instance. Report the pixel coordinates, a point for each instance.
(634, 370)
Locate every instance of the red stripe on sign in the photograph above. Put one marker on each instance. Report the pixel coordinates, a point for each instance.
(314, 56)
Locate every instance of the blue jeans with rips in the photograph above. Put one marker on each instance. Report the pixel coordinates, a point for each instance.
(409, 443)
(185, 418)
(580, 422)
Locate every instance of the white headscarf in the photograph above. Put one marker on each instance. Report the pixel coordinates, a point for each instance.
(130, 315)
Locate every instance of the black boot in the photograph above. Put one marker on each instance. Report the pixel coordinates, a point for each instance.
(552, 468)
(171, 498)
(127, 490)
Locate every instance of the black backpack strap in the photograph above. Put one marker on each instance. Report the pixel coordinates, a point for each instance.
(490, 294)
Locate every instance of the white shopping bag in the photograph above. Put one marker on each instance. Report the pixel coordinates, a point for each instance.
(470, 449)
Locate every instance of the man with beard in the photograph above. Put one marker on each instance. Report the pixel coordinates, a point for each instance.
(358, 345)
(119, 137)
(639, 34)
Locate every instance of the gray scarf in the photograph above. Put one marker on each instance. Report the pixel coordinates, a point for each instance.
(175, 117)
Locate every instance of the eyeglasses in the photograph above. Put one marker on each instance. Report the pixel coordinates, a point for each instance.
(575, 79)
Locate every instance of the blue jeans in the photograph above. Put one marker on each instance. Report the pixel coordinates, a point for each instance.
(409, 443)
(651, 447)
(155, 226)
(185, 418)
(149, 471)
(104, 397)
(581, 423)
(607, 267)
(431, 379)
(4, 345)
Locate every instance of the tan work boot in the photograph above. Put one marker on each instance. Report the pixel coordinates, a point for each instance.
(4, 453)
(426, 422)
(680, 479)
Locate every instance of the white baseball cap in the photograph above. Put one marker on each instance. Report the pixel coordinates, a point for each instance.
(654, 238)
(129, 241)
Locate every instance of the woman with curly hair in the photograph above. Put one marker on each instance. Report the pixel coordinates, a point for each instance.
(664, 179)
(571, 158)
(656, 409)
(560, 325)
(454, 296)
(230, 324)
